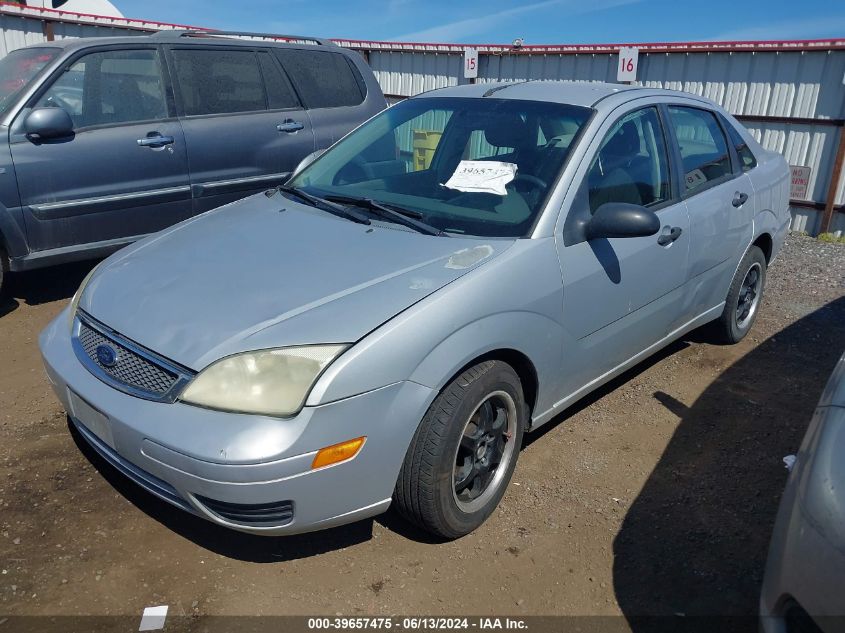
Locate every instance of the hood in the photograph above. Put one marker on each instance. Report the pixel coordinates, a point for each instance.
(269, 272)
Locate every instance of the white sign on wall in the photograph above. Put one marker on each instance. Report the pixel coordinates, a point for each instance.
(470, 63)
(799, 182)
(627, 68)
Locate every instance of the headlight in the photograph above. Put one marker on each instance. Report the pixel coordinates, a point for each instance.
(267, 382)
(74, 303)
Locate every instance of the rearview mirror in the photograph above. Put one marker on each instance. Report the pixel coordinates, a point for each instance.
(46, 123)
(307, 161)
(620, 219)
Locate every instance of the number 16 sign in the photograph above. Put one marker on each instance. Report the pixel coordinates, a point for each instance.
(627, 69)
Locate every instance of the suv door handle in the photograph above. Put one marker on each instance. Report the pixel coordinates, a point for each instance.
(739, 199)
(673, 234)
(289, 125)
(155, 140)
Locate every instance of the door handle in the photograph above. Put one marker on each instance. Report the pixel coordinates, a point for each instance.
(289, 125)
(156, 140)
(673, 234)
(739, 199)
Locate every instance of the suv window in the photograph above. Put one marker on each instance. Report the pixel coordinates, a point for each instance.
(746, 156)
(631, 165)
(704, 150)
(324, 79)
(110, 87)
(280, 94)
(219, 81)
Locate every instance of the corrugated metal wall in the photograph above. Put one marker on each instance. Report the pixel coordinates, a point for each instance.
(794, 84)
(750, 81)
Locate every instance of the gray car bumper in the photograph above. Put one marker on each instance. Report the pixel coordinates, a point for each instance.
(201, 460)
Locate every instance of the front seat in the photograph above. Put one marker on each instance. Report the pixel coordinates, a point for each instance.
(610, 178)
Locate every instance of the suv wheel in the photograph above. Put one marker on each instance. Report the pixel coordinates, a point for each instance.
(744, 297)
(464, 452)
(4, 269)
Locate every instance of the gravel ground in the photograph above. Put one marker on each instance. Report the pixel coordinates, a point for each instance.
(655, 495)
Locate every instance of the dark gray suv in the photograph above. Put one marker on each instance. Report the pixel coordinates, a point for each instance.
(106, 140)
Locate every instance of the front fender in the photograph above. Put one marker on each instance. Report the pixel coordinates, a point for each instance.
(12, 237)
(512, 303)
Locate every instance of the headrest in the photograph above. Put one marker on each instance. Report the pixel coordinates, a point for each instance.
(625, 142)
(506, 131)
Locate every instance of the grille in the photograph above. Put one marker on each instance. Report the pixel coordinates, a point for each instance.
(276, 514)
(130, 368)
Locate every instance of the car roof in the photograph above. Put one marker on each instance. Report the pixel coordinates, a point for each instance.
(199, 38)
(579, 93)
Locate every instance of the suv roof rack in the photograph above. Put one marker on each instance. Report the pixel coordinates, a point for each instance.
(296, 39)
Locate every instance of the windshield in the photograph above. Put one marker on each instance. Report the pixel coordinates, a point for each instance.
(18, 68)
(475, 166)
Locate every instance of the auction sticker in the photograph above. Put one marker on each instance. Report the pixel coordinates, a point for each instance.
(482, 176)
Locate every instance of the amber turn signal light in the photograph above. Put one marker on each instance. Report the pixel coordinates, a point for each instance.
(337, 453)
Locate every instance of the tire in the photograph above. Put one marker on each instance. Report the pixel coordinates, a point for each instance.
(744, 297)
(463, 439)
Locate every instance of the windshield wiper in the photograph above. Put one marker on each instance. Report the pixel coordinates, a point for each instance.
(407, 217)
(326, 205)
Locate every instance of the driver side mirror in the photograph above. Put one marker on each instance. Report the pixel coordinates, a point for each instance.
(48, 123)
(620, 219)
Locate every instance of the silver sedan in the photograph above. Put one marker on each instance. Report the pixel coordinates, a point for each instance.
(386, 326)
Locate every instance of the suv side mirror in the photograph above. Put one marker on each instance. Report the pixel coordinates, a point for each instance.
(307, 161)
(620, 219)
(47, 123)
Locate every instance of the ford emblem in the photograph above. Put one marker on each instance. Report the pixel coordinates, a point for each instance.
(106, 355)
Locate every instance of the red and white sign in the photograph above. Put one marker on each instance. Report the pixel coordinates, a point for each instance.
(799, 182)
(627, 68)
(470, 63)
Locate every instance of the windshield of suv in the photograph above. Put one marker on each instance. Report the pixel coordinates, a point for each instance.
(476, 166)
(18, 68)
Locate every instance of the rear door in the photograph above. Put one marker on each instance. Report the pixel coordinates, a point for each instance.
(623, 295)
(720, 200)
(332, 89)
(100, 185)
(244, 125)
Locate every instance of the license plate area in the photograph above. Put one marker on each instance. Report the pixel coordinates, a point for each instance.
(96, 422)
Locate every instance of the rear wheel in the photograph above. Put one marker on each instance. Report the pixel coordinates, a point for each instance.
(464, 452)
(744, 297)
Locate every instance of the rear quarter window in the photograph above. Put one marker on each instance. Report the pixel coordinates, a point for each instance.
(324, 79)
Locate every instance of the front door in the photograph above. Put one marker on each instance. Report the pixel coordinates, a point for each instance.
(622, 295)
(245, 127)
(124, 171)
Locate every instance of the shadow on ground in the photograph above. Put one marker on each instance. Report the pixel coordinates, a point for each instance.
(44, 285)
(694, 542)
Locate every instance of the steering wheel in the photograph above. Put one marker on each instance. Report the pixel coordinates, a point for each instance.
(528, 179)
(58, 102)
(356, 170)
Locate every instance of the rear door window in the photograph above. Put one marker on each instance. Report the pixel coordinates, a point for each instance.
(324, 79)
(704, 150)
(280, 94)
(747, 161)
(219, 81)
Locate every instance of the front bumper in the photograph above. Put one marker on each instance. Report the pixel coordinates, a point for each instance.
(200, 460)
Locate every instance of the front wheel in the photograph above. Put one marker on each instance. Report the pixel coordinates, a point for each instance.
(744, 297)
(464, 452)
(4, 269)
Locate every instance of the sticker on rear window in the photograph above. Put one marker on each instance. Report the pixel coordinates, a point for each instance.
(482, 176)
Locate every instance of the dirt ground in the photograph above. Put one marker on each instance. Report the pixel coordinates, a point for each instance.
(655, 495)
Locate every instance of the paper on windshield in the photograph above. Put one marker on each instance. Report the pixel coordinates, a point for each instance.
(482, 176)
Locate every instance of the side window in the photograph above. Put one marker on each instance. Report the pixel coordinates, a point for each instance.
(280, 94)
(110, 87)
(746, 156)
(704, 151)
(324, 79)
(219, 81)
(631, 165)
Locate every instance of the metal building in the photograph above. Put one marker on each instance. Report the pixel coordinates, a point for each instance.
(790, 94)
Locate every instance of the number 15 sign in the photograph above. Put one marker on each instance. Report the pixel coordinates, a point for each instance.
(627, 69)
(470, 63)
